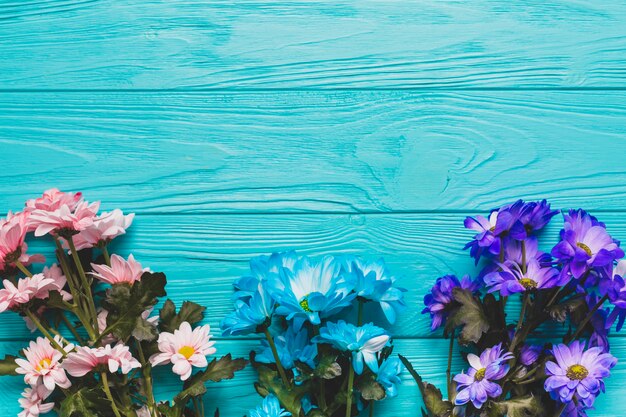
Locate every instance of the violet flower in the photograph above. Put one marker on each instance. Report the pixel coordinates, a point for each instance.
(485, 242)
(529, 218)
(577, 373)
(441, 298)
(529, 354)
(585, 244)
(510, 279)
(477, 385)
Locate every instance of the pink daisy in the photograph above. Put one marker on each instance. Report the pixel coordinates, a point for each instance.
(53, 199)
(105, 228)
(59, 281)
(120, 271)
(87, 359)
(13, 231)
(184, 348)
(32, 402)
(43, 364)
(37, 286)
(64, 220)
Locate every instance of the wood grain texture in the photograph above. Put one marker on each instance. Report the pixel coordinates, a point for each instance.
(203, 254)
(146, 44)
(347, 152)
(235, 397)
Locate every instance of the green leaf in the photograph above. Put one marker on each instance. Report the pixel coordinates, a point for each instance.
(219, 369)
(126, 303)
(269, 382)
(144, 330)
(8, 365)
(433, 400)
(470, 315)
(370, 389)
(328, 367)
(575, 307)
(86, 402)
(528, 406)
(55, 300)
(190, 312)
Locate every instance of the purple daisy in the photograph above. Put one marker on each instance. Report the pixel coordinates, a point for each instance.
(577, 373)
(477, 385)
(510, 279)
(440, 297)
(529, 354)
(485, 242)
(585, 244)
(529, 218)
(615, 288)
(513, 252)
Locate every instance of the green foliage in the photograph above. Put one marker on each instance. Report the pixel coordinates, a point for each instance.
(8, 365)
(328, 368)
(469, 315)
(435, 405)
(528, 406)
(219, 369)
(269, 382)
(126, 303)
(190, 312)
(370, 389)
(86, 402)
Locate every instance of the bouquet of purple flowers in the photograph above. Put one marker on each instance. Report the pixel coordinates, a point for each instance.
(578, 285)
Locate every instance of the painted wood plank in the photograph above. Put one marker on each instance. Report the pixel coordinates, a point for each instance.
(203, 254)
(316, 151)
(156, 44)
(235, 397)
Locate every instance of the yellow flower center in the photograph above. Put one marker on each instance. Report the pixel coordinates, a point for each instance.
(577, 372)
(44, 363)
(187, 351)
(585, 248)
(480, 374)
(492, 229)
(528, 283)
(304, 303)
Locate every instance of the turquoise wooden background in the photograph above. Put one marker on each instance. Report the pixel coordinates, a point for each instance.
(235, 128)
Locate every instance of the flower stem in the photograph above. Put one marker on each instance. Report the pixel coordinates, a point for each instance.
(76, 294)
(524, 266)
(560, 410)
(22, 268)
(107, 392)
(279, 365)
(105, 254)
(147, 376)
(449, 369)
(360, 313)
(522, 313)
(582, 324)
(72, 329)
(350, 388)
(372, 408)
(43, 330)
(85, 282)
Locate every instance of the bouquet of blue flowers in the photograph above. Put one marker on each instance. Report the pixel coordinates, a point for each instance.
(577, 285)
(318, 357)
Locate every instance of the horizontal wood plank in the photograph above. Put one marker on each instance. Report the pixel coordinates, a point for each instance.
(156, 44)
(235, 397)
(203, 254)
(347, 152)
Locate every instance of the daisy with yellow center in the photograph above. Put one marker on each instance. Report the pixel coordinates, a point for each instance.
(43, 364)
(185, 348)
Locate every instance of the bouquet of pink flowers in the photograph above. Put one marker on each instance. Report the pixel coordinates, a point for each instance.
(99, 340)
